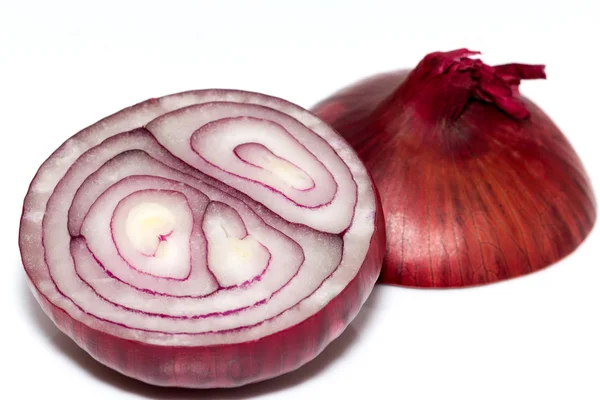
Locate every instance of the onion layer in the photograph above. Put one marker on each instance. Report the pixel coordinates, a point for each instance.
(477, 184)
(203, 239)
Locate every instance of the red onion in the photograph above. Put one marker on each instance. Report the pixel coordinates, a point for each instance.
(203, 239)
(477, 184)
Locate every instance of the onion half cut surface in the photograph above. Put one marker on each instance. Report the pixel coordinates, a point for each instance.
(203, 239)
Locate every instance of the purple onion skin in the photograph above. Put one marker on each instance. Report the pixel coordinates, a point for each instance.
(475, 189)
(236, 364)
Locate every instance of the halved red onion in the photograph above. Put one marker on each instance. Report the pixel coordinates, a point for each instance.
(203, 239)
(478, 184)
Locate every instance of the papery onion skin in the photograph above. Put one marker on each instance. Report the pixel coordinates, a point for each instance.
(475, 188)
(153, 355)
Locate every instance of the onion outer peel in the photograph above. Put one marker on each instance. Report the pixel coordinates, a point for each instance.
(478, 185)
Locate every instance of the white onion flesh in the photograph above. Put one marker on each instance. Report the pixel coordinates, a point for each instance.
(198, 219)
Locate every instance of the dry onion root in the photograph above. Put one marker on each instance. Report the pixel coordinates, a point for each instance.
(203, 239)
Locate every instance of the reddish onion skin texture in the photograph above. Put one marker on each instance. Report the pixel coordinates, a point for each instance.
(478, 185)
(128, 154)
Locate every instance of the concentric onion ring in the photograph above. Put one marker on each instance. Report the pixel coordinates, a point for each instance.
(203, 239)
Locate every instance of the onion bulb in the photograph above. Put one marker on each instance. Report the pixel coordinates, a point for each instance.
(478, 185)
(203, 239)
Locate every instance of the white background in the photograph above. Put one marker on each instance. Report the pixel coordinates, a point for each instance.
(64, 65)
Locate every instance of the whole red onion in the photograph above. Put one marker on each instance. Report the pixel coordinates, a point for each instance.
(477, 183)
(203, 239)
